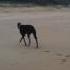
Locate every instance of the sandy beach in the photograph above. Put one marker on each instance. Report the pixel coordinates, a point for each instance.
(53, 31)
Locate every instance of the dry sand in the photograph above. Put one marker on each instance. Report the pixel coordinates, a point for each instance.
(53, 31)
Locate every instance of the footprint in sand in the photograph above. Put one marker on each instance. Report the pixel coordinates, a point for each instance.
(67, 56)
(59, 54)
(63, 60)
(47, 51)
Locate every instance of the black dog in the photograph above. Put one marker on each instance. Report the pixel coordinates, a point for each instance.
(27, 29)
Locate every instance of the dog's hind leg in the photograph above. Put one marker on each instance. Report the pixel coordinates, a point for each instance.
(36, 39)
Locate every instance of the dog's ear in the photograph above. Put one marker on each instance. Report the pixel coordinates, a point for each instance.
(18, 24)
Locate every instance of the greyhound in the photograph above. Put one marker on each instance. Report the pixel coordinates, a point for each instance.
(27, 29)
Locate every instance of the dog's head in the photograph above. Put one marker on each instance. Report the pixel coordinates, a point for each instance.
(18, 25)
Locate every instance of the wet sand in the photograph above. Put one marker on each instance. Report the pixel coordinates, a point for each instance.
(53, 31)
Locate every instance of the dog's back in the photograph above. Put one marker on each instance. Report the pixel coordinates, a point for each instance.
(26, 29)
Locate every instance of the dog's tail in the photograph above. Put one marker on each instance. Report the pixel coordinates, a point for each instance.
(18, 25)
